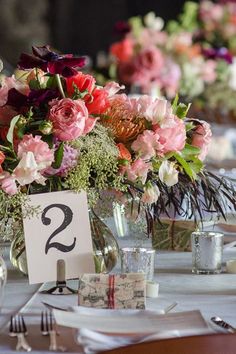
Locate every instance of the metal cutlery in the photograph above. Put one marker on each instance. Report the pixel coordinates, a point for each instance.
(18, 329)
(221, 323)
(48, 328)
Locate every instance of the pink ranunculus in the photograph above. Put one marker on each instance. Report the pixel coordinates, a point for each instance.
(172, 138)
(81, 81)
(147, 145)
(6, 114)
(69, 119)
(42, 154)
(138, 170)
(9, 83)
(8, 183)
(202, 138)
(99, 102)
(151, 194)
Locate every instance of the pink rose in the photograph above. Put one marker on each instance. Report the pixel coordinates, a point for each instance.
(151, 194)
(139, 169)
(8, 183)
(202, 138)
(148, 65)
(147, 145)
(9, 83)
(42, 154)
(172, 138)
(70, 119)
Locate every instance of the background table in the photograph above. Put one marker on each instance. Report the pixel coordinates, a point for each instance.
(212, 294)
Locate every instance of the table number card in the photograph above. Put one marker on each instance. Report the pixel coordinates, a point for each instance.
(60, 231)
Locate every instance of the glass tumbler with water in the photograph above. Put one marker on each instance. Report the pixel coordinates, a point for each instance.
(207, 250)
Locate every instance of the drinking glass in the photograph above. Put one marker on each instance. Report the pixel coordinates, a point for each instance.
(138, 260)
(207, 250)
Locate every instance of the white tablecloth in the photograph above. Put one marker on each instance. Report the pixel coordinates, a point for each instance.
(212, 294)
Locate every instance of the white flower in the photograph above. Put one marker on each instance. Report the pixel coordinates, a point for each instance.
(168, 173)
(26, 171)
(153, 22)
(151, 194)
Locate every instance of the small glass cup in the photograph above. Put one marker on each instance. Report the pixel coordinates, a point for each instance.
(207, 251)
(138, 260)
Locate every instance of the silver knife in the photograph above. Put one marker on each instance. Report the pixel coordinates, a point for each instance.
(221, 323)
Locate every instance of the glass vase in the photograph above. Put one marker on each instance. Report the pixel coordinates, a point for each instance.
(18, 255)
(105, 247)
(3, 278)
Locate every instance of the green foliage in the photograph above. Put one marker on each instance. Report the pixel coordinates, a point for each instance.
(97, 167)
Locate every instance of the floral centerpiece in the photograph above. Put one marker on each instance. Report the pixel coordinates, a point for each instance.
(194, 56)
(210, 28)
(59, 130)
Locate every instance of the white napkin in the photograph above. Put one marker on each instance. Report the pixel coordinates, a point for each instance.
(124, 327)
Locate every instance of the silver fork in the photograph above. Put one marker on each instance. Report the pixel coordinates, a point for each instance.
(18, 329)
(48, 328)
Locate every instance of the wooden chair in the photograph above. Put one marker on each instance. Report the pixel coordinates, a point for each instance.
(203, 344)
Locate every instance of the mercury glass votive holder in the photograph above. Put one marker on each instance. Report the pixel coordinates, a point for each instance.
(138, 260)
(207, 251)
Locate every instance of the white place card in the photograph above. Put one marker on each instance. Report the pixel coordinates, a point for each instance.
(61, 230)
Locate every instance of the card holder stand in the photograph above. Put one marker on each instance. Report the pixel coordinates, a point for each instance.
(61, 287)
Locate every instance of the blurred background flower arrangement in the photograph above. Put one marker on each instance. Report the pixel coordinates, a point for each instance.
(193, 55)
(60, 130)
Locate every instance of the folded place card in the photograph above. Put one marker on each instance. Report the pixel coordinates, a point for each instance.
(114, 291)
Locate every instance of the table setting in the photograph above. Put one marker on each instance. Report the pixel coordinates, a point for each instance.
(75, 156)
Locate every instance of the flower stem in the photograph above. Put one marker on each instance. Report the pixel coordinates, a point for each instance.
(59, 84)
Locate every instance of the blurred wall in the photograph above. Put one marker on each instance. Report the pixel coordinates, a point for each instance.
(72, 26)
(22, 22)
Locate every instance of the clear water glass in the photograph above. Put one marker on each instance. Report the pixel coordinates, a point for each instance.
(207, 251)
(138, 260)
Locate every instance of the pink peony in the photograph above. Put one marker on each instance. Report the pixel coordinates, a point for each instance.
(147, 145)
(70, 119)
(8, 183)
(9, 83)
(151, 194)
(172, 138)
(138, 169)
(42, 154)
(202, 138)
